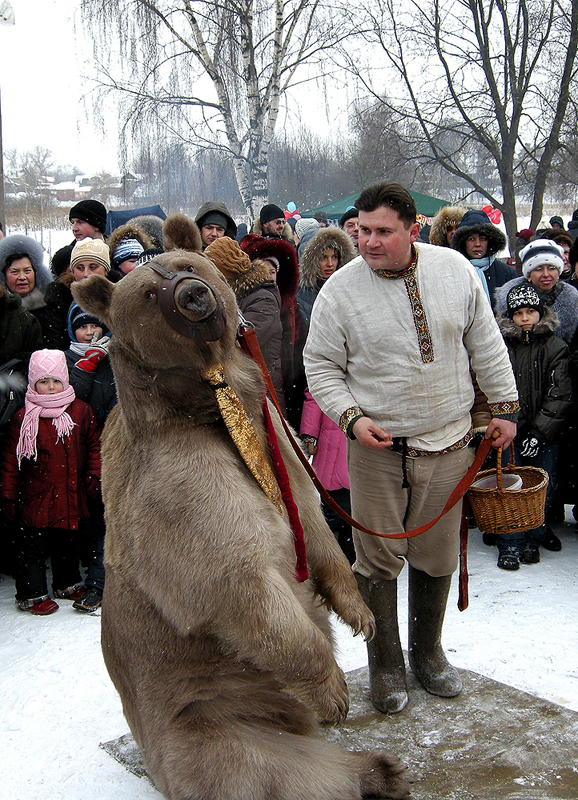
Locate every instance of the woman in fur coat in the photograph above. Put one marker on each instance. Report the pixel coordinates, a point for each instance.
(23, 273)
(329, 249)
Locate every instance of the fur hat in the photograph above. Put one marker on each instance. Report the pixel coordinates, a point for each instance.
(94, 250)
(19, 245)
(446, 218)
(540, 252)
(288, 274)
(90, 211)
(324, 239)
(228, 257)
(269, 213)
(478, 222)
(127, 241)
(349, 214)
(151, 226)
(523, 296)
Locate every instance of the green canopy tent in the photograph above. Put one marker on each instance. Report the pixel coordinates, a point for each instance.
(428, 206)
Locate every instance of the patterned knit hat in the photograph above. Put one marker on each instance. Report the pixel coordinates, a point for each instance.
(94, 250)
(305, 224)
(47, 364)
(127, 248)
(228, 257)
(540, 252)
(523, 296)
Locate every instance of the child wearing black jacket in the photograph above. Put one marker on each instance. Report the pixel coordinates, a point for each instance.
(541, 362)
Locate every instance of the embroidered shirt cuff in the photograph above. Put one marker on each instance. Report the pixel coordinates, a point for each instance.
(507, 410)
(348, 420)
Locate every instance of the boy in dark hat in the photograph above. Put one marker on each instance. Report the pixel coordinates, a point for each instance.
(88, 220)
(540, 360)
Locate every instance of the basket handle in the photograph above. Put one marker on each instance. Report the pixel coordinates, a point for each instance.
(499, 464)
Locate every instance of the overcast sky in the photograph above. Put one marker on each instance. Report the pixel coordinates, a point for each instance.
(41, 81)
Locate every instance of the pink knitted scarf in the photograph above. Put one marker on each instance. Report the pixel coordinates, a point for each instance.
(45, 364)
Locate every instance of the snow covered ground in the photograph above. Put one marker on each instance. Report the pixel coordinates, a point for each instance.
(58, 703)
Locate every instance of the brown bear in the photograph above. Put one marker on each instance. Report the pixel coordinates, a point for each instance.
(222, 658)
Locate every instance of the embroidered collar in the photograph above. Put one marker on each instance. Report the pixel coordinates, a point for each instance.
(406, 272)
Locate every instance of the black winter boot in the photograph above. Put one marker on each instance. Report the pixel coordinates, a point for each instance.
(387, 684)
(427, 605)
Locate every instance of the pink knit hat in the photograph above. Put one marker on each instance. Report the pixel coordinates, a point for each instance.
(47, 364)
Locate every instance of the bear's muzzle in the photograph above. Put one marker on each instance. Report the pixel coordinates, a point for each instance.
(190, 305)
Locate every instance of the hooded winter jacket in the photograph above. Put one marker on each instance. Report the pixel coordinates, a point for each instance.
(541, 364)
(219, 208)
(446, 218)
(498, 272)
(310, 283)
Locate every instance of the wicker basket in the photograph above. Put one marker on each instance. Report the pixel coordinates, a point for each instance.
(501, 510)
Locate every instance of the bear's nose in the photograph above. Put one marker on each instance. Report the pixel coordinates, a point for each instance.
(196, 298)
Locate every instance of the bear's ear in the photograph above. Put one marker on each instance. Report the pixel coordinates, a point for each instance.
(181, 233)
(94, 295)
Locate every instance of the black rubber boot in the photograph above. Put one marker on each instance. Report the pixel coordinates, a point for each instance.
(427, 606)
(387, 685)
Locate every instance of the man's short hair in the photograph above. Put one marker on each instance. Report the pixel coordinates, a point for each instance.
(392, 195)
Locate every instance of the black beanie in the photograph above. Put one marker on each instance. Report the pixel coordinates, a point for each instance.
(90, 211)
(523, 296)
(214, 218)
(349, 214)
(270, 212)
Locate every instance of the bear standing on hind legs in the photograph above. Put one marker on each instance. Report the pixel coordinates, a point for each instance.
(222, 658)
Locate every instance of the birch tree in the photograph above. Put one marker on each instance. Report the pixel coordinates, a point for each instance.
(486, 81)
(212, 72)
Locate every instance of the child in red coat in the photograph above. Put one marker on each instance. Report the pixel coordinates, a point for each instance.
(50, 467)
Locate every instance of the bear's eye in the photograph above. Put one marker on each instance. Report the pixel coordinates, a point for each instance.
(150, 295)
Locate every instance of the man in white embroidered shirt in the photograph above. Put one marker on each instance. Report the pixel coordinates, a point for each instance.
(387, 358)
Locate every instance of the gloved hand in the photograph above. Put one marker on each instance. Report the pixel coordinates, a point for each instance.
(530, 447)
(97, 350)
